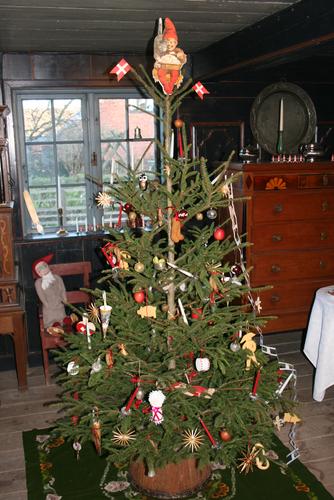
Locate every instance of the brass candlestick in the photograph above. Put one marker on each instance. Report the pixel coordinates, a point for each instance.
(61, 231)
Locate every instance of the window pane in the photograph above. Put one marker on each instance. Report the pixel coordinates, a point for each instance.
(68, 119)
(112, 119)
(37, 120)
(70, 163)
(75, 203)
(40, 164)
(45, 203)
(138, 118)
(116, 151)
(137, 149)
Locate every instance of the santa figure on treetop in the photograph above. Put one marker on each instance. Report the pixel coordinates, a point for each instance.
(169, 58)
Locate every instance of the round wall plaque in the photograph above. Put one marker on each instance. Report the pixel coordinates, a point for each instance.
(299, 117)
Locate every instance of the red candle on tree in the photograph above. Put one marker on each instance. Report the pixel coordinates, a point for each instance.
(256, 383)
(133, 395)
(208, 433)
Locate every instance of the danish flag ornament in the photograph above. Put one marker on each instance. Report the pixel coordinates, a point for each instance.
(200, 90)
(121, 69)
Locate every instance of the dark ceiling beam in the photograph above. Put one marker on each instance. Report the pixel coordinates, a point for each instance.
(306, 24)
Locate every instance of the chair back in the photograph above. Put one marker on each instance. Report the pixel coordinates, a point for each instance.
(75, 269)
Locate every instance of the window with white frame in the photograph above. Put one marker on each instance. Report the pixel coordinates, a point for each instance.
(73, 145)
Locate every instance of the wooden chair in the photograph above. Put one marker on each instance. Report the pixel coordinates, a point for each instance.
(80, 269)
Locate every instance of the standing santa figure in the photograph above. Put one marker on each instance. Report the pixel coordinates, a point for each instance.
(169, 59)
(51, 291)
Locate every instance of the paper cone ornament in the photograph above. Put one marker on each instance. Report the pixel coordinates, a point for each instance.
(105, 312)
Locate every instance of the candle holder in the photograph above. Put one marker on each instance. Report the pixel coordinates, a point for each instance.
(61, 231)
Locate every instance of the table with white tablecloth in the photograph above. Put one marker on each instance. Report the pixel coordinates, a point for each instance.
(319, 343)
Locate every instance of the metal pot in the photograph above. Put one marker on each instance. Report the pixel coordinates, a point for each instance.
(312, 152)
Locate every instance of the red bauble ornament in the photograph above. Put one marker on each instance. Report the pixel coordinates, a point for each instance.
(236, 269)
(80, 327)
(178, 123)
(225, 435)
(196, 313)
(139, 296)
(181, 214)
(219, 234)
(75, 419)
(128, 208)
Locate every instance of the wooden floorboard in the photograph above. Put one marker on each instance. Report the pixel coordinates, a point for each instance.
(21, 411)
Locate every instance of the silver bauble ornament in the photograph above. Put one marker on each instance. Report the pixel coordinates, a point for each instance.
(140, 393)
(73, 368)
(211, 213)
(235, 346)
(125, 412)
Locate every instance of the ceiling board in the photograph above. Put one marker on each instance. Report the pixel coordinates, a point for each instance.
(123, 26)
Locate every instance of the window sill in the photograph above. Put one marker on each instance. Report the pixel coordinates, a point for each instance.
(29, 238)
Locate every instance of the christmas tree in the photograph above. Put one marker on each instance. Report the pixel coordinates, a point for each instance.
(166, 366)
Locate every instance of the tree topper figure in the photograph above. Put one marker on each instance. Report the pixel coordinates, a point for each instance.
(169, 59)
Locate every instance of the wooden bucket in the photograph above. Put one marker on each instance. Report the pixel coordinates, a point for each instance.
(172, 481)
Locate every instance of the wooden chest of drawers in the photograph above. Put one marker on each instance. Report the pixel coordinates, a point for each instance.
(289, 219)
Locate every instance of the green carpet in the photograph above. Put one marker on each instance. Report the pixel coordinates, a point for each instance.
(53, 472)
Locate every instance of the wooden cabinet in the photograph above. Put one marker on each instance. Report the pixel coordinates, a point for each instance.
(12, 316)
(289, 219)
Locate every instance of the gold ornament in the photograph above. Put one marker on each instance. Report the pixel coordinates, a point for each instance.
(199, 216)
(93, 313)
(258, 305)
(291, 418)
(250, 345)
(147, 312)
(103, 200)
(225, 190)
(132, 216)
(167, 170)
(192, 439)
(139, 267)
(123, 438)
(122, 349)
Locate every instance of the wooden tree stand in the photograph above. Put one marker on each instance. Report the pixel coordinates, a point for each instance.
(172, 481)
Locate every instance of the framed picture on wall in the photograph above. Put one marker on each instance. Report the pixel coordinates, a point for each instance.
(215, 141)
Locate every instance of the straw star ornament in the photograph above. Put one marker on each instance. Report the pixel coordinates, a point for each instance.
(103, 200)
(192, 439)
(123, 438)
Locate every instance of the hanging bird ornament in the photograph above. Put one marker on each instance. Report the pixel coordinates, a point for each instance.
(169, 58)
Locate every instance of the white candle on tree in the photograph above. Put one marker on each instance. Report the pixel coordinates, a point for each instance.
(281, 115)
(59, 192)
(112, 171)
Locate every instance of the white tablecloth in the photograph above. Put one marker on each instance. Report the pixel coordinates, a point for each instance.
(319, 343)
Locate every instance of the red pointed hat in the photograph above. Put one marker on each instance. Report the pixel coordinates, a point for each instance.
(47, 259)
(169, 31)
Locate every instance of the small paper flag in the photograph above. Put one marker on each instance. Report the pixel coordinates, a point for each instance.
(200, 90)
(121, 69)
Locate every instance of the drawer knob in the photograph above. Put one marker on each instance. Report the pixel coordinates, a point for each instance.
(323, 235)
(325, 206)
(275, 269)
(322, 264)
(275, 298)
(277, 237)
(278, 208)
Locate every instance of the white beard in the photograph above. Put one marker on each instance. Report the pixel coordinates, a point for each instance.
(47, 280)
